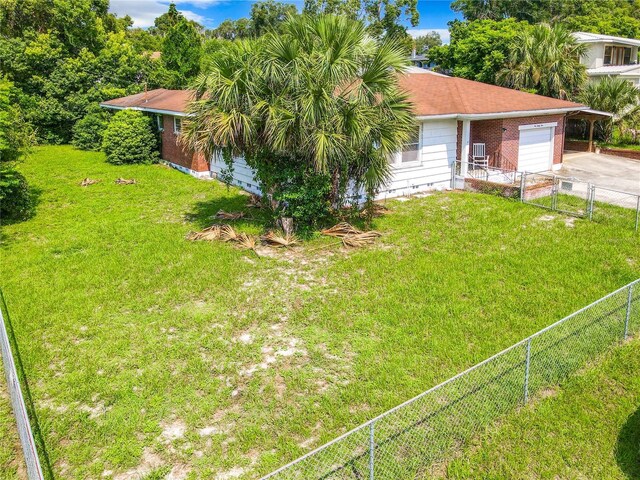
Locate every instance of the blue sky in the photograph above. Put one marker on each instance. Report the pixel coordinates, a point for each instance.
(434, 14)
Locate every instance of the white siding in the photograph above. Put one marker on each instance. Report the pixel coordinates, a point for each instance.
(437, 154)
(433, 170)
(243, 176)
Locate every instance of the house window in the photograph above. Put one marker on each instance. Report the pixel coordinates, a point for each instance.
(411, 149)
(617, 55)
(160, 122)
(177, 125)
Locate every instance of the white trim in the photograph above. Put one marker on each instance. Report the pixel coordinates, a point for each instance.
(400, 165)
(151, 110)
(193, 173)
(537, 125)
(464, 147)
(177, 130)
(514, 114)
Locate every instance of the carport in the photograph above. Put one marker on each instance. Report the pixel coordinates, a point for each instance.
(591, 116)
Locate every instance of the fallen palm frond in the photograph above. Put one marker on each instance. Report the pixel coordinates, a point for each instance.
(358, 240)
(278, 240)
(247, 241)
(229, 215)
(255, 201)
(376, 211)
(211, 233)
(341, 229)
(88, 181)
(125, 181)
(228, 234)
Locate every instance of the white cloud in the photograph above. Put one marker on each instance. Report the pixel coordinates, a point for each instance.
(144, 12)
(418, 32)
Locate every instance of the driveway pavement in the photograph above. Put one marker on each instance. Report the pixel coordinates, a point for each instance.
(607, 171)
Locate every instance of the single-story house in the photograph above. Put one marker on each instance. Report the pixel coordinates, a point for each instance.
(472, 122)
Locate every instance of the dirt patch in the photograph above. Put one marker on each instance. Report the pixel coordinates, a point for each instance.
(150, 461)
(173, 431)
(235, 472)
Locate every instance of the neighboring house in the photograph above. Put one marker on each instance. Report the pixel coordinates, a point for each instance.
(517, 131)
(610, 56)
(420, 60)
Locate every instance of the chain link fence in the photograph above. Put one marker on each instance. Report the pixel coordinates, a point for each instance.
(18, 404)
(580, 199)
(415, 439)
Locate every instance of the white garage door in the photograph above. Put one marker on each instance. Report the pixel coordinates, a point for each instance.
(535, 152)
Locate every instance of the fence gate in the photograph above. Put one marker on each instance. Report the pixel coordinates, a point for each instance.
(559, 194)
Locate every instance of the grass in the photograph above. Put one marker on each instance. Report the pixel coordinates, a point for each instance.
(146, 352)
(10, 459)
(588, 429)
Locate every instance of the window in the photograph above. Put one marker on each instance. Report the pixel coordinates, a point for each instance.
(160, 122)
(411, 149)
(177, 125)
(617, 55)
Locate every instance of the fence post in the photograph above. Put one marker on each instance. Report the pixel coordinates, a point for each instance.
(628, 315)
(372, 448)
(554, 194)
(523, 183)
(637, 212)
(526, 371)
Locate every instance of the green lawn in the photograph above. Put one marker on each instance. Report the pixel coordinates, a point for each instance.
(147, 352)
(590, 428)
(10, 461)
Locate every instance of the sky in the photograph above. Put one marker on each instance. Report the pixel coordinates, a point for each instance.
(434, 14)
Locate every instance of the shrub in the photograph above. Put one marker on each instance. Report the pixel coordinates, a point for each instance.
(129, 138)
(16, 200)
(88, 131)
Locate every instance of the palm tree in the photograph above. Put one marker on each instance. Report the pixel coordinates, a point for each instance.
(613, 95)
(546, 60)
(322, 95)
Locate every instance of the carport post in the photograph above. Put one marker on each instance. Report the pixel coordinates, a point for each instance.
(591, 123)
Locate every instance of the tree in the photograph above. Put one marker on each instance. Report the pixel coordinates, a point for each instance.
(478, 50)
(610, 17)
(181, 52)
(382, 17)
(16, 137)
(64, 56)
(545, 60)
(269, 15)
(129, 138)
(167, 21)
(312, 109)
(424, 43)
(613, 95)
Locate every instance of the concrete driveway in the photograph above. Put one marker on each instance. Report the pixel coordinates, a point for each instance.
(607, 171)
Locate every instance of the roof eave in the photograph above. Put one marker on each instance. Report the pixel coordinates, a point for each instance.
(497, 115)
(145, 109)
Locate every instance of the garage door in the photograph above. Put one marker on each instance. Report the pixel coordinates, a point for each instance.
(535, 151)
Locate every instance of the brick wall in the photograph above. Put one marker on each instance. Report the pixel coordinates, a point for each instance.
(502, 138)
(511, 136)
(174, 153)
(488, 132)
(576, 145)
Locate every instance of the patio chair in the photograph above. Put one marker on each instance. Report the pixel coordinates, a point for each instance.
(479, 158)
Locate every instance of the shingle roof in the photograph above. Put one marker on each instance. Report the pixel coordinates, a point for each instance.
(431, 94)
(154, 100)
(434, 94)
